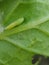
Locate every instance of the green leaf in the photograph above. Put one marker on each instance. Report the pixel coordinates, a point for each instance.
(11, 54)
(19, 44)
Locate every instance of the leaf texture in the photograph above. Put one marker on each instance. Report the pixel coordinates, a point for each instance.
(18, 45)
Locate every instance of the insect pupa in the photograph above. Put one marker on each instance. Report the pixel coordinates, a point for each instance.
(13, 24)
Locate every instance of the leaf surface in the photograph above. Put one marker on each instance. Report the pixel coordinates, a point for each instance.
(18, 45)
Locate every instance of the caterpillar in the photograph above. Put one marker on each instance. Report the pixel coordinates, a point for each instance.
(13, 24)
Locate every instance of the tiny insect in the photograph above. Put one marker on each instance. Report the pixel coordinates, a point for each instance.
(16, 23)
